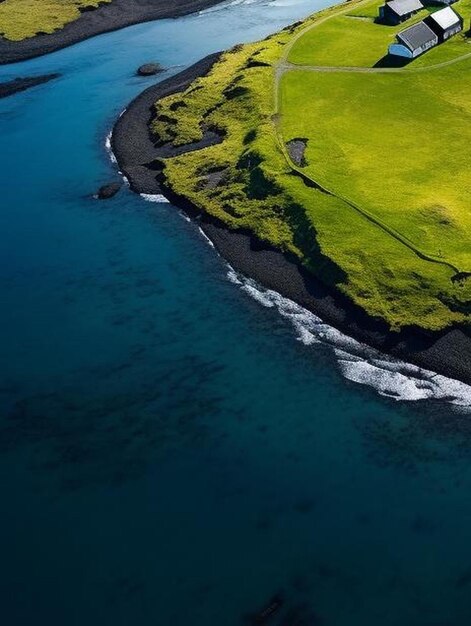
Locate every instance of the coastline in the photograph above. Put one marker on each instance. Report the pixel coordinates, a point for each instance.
(21, 84)
(104, 19)
(446, 353)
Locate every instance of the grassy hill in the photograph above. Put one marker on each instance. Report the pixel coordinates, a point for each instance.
(21, 19)
(374, 197)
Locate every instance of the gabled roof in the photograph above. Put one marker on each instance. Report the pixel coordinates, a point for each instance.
(416, 36)
(445, 18)
(404, 7)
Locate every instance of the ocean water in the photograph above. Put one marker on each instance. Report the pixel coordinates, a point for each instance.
(178, 444)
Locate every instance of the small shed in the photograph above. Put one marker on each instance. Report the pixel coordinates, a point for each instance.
(445, 23)
(414, 41)
(397, 11)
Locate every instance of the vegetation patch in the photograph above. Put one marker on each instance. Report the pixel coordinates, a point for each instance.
(362, 175)
(21, 19)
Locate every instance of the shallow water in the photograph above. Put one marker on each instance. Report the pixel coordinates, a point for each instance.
(171, 452)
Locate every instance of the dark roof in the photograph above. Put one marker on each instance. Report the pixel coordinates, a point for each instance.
(416, 36)
(404, 7)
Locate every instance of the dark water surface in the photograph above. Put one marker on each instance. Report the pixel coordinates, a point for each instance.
(170, 454)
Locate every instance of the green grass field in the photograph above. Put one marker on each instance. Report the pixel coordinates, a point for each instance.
(21, 19)
(343, 41)
(379, 209)
(353, 39)
(398, 145)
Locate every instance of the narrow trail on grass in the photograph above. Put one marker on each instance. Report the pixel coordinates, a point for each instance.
(284, 66)
(288, 66)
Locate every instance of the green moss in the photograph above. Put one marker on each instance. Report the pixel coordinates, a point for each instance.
(21, 19)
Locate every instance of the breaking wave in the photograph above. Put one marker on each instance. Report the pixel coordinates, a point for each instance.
(231, 3)
(109, 149)
(249, 3)
(155, 197)
(111, 154)
(206, 238)
(358, 362)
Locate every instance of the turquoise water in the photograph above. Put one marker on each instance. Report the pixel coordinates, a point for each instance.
(172, 454)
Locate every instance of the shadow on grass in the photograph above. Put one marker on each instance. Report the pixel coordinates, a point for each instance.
(391, 60)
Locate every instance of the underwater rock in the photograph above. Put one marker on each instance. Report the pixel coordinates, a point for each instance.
(149, 69)
(267, 612)
(108, 191)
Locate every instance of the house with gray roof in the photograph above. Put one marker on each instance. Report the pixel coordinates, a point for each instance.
(445, 23)
(414, 41)
(397, 11)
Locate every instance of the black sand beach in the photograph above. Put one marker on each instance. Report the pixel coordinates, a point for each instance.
(21, 84)
(447, 353)
(106, 18)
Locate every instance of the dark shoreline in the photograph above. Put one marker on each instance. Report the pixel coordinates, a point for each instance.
(104, 19)
(447, 353)
(21, 84)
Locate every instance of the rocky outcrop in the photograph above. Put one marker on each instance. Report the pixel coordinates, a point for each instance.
(150, 69)
(108, 191)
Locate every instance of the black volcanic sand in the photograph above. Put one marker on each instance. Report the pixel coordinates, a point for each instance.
(447, 353)
(132, 141)
(21, 84)
(105, 18)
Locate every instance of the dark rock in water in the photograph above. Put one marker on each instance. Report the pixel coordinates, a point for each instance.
(108, 191)
(149, 69)
(267, 612)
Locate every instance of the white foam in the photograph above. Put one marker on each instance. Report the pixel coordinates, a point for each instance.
(155, 197)
(111, 154)
(230, 3)
(184, 216)
(205, 236)
(108, 147)
(358, 362)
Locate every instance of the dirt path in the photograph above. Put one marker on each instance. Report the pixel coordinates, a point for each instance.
(287, 66)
